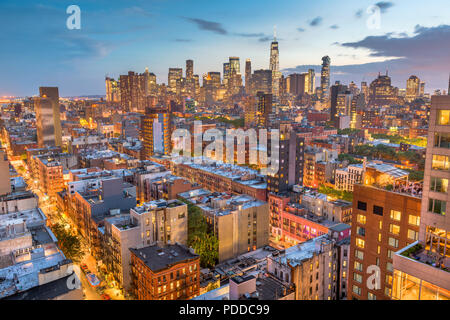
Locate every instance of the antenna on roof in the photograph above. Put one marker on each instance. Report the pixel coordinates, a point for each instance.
(275, 33)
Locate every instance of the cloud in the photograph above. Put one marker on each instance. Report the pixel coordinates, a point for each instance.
(208, 25)
(183, 40)
(384, 6)
(137, 11)
(265, 39)
(250, 35)
(317, 21)
(334, 27)
(424, 53)
(301, 30)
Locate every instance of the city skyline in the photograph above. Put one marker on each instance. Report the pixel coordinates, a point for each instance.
(115, 38)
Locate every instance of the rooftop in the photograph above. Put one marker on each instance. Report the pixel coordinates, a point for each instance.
(158, 257)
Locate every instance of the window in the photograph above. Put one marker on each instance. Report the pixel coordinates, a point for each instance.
(389, 267)
(390, 254)
(394, 229)
(356, 290)
(443, 117)
(396, 215)
(414, 220)
(362, 206)
(361, 231)
(393, 242)
(413, 235)
(436, 206)
(361, 218)
(439, 185)
(357, 277)
(360, 243)
(371, 296)
(378, 210)
(442, 140)
(358, 266)
(388, 279)
(387, 291)
(359, 254)
(440, 162)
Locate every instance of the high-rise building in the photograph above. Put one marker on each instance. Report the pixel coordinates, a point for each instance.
(325, 80)
(155, 132)
(226, 72)
(189, 69)
(421, 269)
(48, 120)
(383, 221)
(248, 76)
(381, 91)
(264, 108)
(275, 66)
(235, 65)
(296, 83)
(336, 90)
(112, 90)
(134, 89)
(175, 75)
(262, 81)
(310, 81)
(412, 88)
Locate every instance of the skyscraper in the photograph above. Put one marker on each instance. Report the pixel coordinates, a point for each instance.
(175, 75)
(189, 69)
(325, 79)
(235, 66)
(412, 88)
(264, 108)
(310, 81)
(275, 66)
(155, 132)
(248, 75)
(48, 120)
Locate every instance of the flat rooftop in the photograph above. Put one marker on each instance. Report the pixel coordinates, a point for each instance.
(157, 258)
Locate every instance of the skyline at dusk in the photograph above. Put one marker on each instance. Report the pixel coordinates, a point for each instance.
(116, 37)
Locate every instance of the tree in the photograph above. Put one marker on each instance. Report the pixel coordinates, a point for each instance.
(69, 243)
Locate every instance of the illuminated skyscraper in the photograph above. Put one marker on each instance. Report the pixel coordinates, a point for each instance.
(248, 75)
(189, 69)
(412, 88)
(112, 90)
(175, 75)
(262, 81)
(325, 79)
(226, 72)
(48, 120)
(155, 132)
(235, 66)
(310, 81)
(275, 66)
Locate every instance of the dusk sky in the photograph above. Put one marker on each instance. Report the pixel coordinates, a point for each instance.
(117, 36)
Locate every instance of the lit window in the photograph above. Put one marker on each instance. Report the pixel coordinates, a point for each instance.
(437, 206)
(443, 117)
(440, 162)
(394, 229)
(413, 235)
(361, 218)
(396, 215)
(360, 243)
(414, 220)
(439, 185)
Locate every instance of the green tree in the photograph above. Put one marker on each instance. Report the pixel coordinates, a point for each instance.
(69, 243)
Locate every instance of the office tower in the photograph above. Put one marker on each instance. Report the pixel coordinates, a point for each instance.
(412, 88)
(189, 69)
(226, 72)
(335, 91)
(262, 81)
(310, 81)
(290, 161)
(235, 66)
(325, 80)
(275, 66)
(264, 108)
(155, 132)
(296, 83)
(5, 183)
(421, 270)
(48, 122)
(422, 89)
(381, 92)
(248, 76)
(383, 221)
(250, 111)
(365, 91)
(175, 75)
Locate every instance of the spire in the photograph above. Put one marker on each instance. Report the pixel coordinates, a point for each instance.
(274, 33)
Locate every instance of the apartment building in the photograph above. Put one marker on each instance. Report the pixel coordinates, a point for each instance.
(422, 268)
(170, 272)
